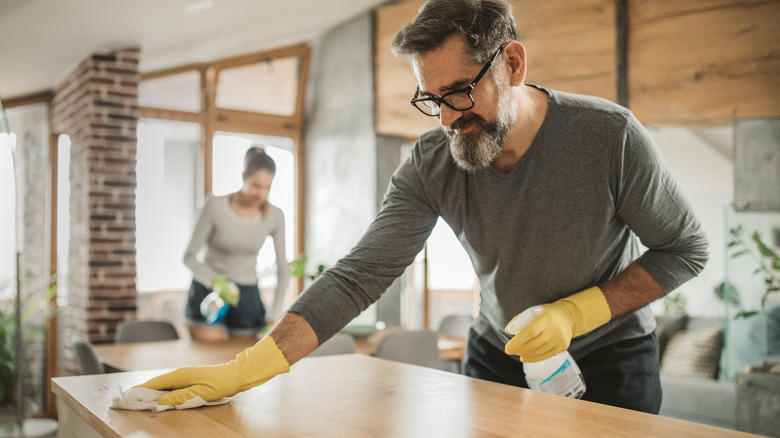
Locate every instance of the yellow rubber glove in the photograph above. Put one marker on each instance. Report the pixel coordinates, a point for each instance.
(227, 290)
(252, 367)
(560, 321)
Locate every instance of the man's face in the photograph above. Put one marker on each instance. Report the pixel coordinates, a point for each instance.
(476, 135)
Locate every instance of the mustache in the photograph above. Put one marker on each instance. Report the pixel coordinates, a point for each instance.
(466, 120)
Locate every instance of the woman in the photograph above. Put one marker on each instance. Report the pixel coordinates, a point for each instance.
(233, 228)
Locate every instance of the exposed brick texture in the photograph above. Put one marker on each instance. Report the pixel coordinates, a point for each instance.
(97, 106)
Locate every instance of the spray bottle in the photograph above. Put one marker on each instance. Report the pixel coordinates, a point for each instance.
(555, 375)
(215, 305)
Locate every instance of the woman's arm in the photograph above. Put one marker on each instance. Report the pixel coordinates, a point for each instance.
(282, 268)
(200, 234)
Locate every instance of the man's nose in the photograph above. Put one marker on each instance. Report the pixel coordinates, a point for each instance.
(447, 116)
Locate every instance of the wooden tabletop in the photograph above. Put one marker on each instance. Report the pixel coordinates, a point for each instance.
(360, 396)
(177, 353)
(185, 352)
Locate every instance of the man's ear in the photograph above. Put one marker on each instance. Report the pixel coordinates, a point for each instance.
(514, 54)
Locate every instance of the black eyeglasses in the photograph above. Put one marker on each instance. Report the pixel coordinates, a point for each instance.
(459, 100)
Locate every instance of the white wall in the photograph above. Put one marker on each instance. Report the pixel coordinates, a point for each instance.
(705, 173)
(341, 170)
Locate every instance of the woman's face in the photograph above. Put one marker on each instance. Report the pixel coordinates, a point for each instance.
(257, 186)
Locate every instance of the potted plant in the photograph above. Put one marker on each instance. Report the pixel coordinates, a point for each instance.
(31, 303)
(7, 356)
(767, 263)
(758, 387)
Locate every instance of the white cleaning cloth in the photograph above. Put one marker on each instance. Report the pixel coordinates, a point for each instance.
(141, 399)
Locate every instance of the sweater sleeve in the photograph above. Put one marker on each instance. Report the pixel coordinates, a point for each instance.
(200, 234)
(390, 244)
(650, 202)
(282, 268)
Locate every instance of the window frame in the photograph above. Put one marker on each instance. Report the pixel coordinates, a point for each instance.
(213, 119)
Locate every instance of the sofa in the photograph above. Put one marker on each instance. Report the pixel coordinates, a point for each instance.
(690, 351)
(698, 372)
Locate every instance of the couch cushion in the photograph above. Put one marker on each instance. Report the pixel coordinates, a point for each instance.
(666, 326)
(693, 353)
(704, 401)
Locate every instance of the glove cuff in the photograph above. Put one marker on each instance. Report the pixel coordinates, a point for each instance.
(258, 364)
(589, 310)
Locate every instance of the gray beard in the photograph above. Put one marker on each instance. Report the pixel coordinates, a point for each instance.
(476, 151)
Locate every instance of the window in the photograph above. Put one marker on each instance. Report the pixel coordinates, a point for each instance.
(7, 220)
(63, 218)
(228, 160)
(174, 92)
(452, 283)
(269, 87)
(189, 147)
(166, 170)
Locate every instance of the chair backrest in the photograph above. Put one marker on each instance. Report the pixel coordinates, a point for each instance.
(145, 330)
(417, 347)
(340, 343)
(456, 325)
(86, 358)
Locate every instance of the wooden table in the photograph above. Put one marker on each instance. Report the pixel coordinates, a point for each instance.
(185, 352)
(177, 353)
(450, 347)
(361, 396)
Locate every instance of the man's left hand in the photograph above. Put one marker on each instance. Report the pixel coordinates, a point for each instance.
(560, 321)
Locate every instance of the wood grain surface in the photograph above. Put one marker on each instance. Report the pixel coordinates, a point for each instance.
(360, 396)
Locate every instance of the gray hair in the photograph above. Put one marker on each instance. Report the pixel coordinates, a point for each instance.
(486, 24)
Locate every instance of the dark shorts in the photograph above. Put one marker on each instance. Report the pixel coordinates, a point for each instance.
(624, 374)
(248, 316)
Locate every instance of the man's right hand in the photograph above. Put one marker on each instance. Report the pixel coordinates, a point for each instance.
(252, 367)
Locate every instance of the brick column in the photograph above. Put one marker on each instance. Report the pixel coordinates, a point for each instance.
(97, 106)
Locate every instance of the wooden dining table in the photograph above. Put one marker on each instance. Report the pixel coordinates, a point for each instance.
(185, 352)
(356, 395)
(135, 356)
(450, 347)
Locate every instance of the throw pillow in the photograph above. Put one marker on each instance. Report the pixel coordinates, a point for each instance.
(666, 326)
(693, 353)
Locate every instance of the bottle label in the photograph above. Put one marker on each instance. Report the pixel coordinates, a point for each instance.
(568, 384)
(560, 370)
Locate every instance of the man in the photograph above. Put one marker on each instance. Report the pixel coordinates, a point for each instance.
(545, 190)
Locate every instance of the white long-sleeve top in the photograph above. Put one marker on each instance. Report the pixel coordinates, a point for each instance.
(232, 244)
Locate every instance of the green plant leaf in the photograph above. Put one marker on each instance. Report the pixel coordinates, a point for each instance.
(298, 266)
(763, 248)
(745, 314)
(727, 292)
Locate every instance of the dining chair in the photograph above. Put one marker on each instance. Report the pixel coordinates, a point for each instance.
(456, 325)
(340, 343)
(86, 357)
(145, 330)
(417, 347)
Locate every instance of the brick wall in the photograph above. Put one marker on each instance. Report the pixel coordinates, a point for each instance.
(97, 106)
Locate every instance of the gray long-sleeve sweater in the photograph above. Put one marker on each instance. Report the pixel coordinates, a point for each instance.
(563, 219)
